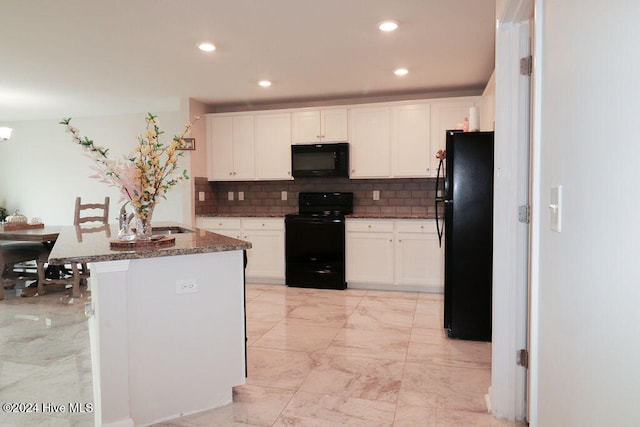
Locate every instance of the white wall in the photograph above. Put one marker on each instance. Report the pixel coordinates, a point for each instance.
(588, 283)
(42, 170)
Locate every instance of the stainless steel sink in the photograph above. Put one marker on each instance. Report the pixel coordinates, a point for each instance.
(172, 229)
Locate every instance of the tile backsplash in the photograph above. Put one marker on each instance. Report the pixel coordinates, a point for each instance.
(398, 197)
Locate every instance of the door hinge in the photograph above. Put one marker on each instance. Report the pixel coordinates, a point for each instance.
(523, 358)
(524, 213)
(526, 65)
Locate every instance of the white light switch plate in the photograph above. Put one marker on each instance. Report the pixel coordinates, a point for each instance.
(376, 195)
(230, 195)
(240, 195)
(555, 208)
(283, 195)
(201, 196)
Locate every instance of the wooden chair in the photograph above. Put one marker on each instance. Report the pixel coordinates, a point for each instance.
(102, 218)
(12, 254)
(77, 274)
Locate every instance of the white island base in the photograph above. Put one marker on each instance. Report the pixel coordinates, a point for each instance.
(157, 352)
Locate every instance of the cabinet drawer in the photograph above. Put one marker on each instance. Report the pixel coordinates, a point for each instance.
(416, 226)
(217, 223)
(374, 226)
(263, 224)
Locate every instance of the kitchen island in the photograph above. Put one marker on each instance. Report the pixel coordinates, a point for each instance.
(166, 324)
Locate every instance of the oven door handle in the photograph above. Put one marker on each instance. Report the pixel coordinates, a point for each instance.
(314, 220)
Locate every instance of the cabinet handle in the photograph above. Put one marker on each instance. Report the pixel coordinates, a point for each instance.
(230, 173)
(318, 136)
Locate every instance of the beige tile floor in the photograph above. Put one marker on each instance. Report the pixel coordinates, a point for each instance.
(315, 358)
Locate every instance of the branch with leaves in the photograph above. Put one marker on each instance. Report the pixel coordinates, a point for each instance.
(146, 174)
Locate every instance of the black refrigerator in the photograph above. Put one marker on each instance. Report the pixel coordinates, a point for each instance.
(464, 190)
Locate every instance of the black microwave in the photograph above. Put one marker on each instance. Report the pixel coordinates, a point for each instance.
(309, 160)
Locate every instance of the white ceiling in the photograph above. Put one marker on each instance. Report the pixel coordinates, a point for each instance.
(79, 57)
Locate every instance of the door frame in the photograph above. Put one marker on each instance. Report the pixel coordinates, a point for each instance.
(508, 393)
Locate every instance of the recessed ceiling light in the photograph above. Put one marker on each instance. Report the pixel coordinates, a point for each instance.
(264, 83)
(206, 47)
(388, 26)
(401, 72)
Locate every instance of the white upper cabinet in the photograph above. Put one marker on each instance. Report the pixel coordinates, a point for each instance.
(446, 115)
(231, 147)
(369, 142)
(326, 125)
(410, 141)
(386, 140)
(273, 146)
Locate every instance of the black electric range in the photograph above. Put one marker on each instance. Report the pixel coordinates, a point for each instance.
(315, 240)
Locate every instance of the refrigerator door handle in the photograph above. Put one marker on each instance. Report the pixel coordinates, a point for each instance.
(439, 199)
(439, 227)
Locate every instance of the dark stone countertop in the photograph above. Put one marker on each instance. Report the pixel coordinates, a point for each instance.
(356, 215)
(73, 245)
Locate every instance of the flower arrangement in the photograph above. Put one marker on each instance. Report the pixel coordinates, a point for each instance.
(145, 175)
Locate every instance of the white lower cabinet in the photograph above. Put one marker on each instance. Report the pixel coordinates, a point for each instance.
(369, 249)
(419, 260)
(400, 254)
(265, 259)
(394, 254)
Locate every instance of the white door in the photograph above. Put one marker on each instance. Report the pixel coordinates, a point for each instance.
(220, 132)
(243, 147)
(370, 142)
(305, 126)
(511, 236)
(411, 140)
(273, 146)
(445, 116)
(419, 257)
(334, 125)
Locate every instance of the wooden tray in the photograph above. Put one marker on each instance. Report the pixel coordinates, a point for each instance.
(21, 226)
(155, 242)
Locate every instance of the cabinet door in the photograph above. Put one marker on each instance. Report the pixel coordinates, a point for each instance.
(445, 116)
(410, 141)
(226, 226)
(305, 127)
(220, 152)
(419, 259)
(334, 125)
(369, 142)
(311, 126)
(370, 257)
(232, 151)
(243, 148)
(273, 146)
(265, 259)
(369, 253)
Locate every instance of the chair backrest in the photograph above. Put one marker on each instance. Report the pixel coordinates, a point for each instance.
(103, 217)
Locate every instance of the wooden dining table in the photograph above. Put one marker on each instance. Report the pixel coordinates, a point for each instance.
(47, 234)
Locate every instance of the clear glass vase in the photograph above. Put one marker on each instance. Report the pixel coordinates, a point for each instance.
(143, 223)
